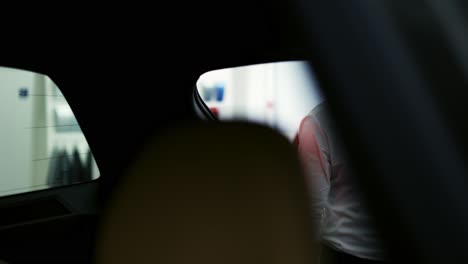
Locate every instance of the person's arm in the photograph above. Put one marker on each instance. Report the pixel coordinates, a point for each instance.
(314, 154)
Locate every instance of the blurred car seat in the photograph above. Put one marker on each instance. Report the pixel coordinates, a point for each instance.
(210, 193)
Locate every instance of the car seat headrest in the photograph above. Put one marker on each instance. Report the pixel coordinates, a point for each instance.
(210, 193)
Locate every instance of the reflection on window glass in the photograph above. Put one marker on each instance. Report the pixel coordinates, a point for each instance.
(275, 94)
(41, 142)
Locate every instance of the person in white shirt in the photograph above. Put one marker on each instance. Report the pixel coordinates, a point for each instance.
(344, 226)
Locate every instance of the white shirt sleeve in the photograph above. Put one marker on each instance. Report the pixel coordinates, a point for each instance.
(314, 154)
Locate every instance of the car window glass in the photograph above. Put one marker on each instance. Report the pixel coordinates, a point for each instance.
(41, 142)
(277, 94)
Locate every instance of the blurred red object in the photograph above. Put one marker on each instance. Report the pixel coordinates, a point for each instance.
(215, 111)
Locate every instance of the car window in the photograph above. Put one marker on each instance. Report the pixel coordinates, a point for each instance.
(41, 142)
(277, 94)
(286, 97)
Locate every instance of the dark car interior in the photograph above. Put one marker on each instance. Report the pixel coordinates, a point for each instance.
(395, 73)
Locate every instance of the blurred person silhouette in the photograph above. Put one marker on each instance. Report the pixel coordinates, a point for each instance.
(343, 224)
